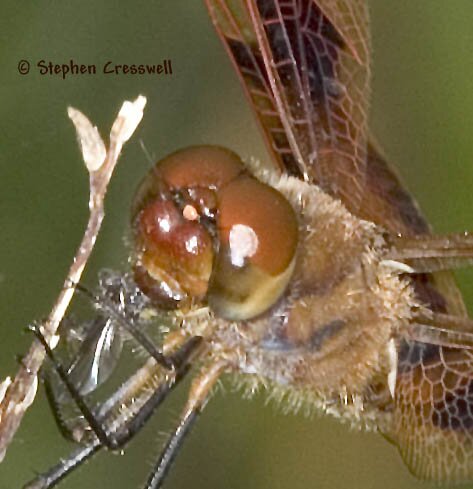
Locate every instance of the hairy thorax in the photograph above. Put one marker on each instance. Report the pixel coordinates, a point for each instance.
(332, 331)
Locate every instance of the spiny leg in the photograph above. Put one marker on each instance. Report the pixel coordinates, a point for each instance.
(198, 395)
(188, 351)
(174, 348)
(127, 428)
(56, 474)
(57, 410)
(129, 421)
(54, 405)
(182, 358)
(130, 327)
(115, 440)
(131, 389)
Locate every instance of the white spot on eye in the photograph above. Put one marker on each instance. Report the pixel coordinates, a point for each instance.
(164, 224)
(192, 245)
(243, 244)
(190, 213)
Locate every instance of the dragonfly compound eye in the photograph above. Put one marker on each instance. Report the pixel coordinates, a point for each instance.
(258, 234)
(205, 230)
(173, 220)
(176, 252)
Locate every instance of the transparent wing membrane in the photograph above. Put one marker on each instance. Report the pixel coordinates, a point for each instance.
(434, 253)
(305, 68)
(433, 417)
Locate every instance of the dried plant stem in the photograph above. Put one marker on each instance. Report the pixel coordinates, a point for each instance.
(17, 395)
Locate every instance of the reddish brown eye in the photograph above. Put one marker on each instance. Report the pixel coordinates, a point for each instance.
(258, 235)
(263, 210)
(176, 254)
(194, 173)
(174, 250)
(205, 229)
(200, 166)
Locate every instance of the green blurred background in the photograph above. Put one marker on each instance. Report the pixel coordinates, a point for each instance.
(422, 113)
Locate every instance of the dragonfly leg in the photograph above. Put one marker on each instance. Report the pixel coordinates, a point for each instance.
(198, 396)
(129, 421)
(115, 439)
(140, 336)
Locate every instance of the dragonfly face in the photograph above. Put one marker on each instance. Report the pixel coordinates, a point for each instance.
(354, 323)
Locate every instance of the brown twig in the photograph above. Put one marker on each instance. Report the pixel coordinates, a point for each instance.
(17, 395)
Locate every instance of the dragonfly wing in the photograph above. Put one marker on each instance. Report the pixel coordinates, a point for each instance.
(433, 415)
(97, 356)
(305, 69)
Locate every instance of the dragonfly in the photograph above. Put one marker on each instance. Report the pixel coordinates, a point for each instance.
(318, 278)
